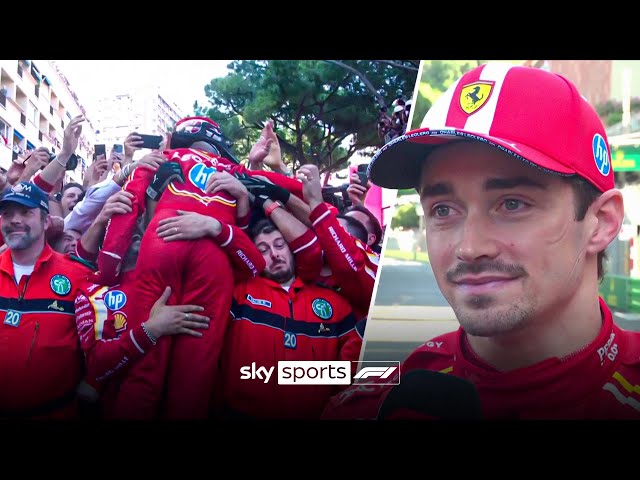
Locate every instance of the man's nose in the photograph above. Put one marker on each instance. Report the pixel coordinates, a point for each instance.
(477, 239)
(273, 253)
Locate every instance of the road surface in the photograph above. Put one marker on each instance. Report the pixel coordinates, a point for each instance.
(409, 310)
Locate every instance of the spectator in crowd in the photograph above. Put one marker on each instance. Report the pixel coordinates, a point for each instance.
(370, 222)
(397, 122)
(72, 193)
(517, 247)
(66, 243)
(384, 126)
(86, 211)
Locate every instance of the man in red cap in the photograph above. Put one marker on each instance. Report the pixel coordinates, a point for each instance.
(513, 169)
(175, 380)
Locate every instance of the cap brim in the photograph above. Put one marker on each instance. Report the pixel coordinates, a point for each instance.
(21, 201)
(398, 164)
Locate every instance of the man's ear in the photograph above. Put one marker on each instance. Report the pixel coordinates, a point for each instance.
(607, 213)
(47, 222)
(371, 239)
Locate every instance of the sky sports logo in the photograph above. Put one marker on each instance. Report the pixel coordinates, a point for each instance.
(336, 372)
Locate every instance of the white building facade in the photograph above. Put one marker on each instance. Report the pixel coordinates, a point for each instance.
(36, 104)
(144, 110)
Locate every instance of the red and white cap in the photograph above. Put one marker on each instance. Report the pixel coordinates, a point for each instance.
(537, 116)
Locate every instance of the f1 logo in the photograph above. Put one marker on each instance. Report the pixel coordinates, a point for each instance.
(379, 372)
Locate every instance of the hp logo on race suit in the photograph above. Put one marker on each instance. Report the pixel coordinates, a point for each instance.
(199, 175)
(115, 300)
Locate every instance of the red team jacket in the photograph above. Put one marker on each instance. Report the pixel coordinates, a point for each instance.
(353, 264)
(197, 167)
(270, 324)
(102, 320)
(601, 381)
(41, 362)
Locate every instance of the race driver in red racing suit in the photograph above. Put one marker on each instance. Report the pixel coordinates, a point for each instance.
(598, 382)
(176, 378)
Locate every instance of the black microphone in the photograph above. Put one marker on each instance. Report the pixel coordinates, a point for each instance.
(425, 394)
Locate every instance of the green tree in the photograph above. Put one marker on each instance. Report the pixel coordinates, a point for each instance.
(323, 110)
(406, 217)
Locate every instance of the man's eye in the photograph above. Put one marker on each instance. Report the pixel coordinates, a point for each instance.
(513, 204)
(441, 211)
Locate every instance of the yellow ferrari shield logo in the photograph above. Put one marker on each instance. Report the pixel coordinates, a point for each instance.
(474, 96)
(119, 321)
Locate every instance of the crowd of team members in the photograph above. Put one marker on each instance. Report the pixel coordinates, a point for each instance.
(142, 293)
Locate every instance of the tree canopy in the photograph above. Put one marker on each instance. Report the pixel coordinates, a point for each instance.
(324, 111)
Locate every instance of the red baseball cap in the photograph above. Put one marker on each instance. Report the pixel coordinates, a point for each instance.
(537, 116)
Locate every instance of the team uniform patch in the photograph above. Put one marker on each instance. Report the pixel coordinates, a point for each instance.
(120, 321)
(60, 285)
(322, 308)
(12, 318)
(259, 301)
(199, 175)
(115, 300)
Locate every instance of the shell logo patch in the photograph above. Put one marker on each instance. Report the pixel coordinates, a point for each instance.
(119, 321)
(475, 95)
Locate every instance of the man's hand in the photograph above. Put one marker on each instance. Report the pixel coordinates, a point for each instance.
(151, 161)
(118, 203)
(14, 172)
(260, 149)
(37, 161)
(56, 227)
(273, 160)
(72, 136)
(175, 319)
(188, 226)
(131, 144)
(95, 171)
(356, 191)
(311, 187)
(226, 181)
(114, 157)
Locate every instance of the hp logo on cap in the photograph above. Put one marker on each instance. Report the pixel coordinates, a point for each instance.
(601, 154)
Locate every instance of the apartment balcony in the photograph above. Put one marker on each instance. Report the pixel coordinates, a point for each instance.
(6, 156)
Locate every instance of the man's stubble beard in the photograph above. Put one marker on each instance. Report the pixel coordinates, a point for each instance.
(25, 241)
(281, 277)
(480, 317)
